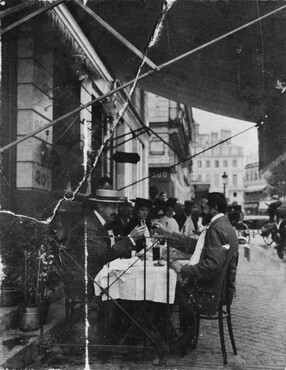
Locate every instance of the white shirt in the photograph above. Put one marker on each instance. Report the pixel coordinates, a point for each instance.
(216, 217)
(170, 224)
(188, 228)
(201, 241)
(199, 247)
(103, 222)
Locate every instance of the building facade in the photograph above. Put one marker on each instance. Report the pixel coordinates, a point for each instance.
(171, 125)
(49, 70)
(256, 199)
(209, 166)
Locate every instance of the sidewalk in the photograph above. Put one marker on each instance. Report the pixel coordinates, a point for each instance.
(18, 348)
(259, 323)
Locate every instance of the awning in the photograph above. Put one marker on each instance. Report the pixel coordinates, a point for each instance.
(254, 188)
(235, 55)
(251, 205)
(233, 77)
(201, 186)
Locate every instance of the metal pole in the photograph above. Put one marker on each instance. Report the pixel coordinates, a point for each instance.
(13, 9)
(30, 16)
(116, 34)
(144, 75)
(144, 302)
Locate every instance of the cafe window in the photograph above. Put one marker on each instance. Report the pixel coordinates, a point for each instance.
(199, 164)
(208, 164)
(216, 163)
(157, 147)
(216, 179)
(225, 163)
(234, 179)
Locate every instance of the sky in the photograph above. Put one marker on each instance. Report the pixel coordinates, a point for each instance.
(210, 122)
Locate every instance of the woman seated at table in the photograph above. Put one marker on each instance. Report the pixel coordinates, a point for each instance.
(141, 210)
(168, 221)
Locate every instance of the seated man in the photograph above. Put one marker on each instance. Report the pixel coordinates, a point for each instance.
(94, 233)
(93, 240)
(203, 277)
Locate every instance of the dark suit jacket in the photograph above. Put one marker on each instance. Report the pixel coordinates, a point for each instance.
(118, 226)
(208, 276)
(133, 223)
(99, 246)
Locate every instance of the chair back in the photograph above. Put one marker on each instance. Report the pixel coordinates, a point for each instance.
(228, 290)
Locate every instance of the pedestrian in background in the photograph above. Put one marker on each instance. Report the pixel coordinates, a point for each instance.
(281, 236)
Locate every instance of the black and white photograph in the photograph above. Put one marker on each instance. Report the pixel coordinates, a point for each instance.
(142, 184)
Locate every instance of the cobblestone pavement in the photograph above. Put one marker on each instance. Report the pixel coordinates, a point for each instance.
(259, 325)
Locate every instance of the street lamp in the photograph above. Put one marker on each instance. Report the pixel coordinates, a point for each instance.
(224, 182)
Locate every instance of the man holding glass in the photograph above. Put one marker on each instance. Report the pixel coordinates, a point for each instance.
(203, 277)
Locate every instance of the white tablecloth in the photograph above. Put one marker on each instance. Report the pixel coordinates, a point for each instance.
(130, 286)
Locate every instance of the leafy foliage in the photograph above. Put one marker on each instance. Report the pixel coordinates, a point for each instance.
(277, 180)
(29, 254)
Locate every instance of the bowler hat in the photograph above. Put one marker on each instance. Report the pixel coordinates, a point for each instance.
(142, 202)
(159, 203)
(106, 196)
(171, 202)
(188, 203)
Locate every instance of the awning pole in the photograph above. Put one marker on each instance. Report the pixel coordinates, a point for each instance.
(116, 34)
(13, 9)
(30, 16)
(78, 109)
(129, 133)
(221, 37)
(190, 157)
(165, 142)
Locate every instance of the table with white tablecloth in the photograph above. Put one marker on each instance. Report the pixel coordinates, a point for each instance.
(127, 282)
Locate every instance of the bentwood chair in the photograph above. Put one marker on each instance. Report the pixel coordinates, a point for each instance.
(224, 311)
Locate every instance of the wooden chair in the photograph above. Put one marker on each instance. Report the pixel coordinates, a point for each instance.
(226, 301)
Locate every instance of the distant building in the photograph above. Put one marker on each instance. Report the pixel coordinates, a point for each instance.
(169, 144)
(255, 195)
(209, 166)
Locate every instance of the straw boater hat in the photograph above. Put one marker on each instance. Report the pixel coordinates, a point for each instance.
(106, 196)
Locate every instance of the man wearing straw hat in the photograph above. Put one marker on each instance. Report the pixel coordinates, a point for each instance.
(93, 242)
(93, 238)
(102, 247)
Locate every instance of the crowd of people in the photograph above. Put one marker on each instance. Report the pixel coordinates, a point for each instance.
(113, 227)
